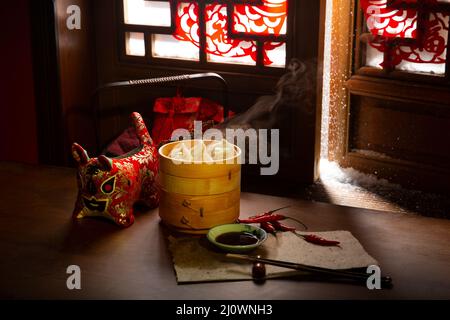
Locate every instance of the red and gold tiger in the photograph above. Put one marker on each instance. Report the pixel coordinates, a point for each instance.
(109, 187)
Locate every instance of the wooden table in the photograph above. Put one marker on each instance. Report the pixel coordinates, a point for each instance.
(38, 241)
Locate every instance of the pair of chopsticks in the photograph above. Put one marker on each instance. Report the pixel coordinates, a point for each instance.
(385, 281)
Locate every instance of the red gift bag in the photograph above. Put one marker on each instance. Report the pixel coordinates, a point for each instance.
(180, 113)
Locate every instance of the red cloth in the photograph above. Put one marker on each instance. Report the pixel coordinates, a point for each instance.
(180, 113)
(123, 144)
(170, 114)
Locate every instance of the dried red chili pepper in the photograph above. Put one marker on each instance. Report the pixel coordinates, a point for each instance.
(264, 218)
(281, 227)
(268, 227)
(312, 238)
(270, 217)
(268, 213)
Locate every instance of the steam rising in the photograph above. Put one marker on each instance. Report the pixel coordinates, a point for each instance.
(293, 90)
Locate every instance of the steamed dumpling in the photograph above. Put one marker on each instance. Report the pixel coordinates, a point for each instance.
(221, 150)
(198, 151)
(181, 152)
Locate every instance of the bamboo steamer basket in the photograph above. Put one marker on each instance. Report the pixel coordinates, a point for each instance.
(197, 196)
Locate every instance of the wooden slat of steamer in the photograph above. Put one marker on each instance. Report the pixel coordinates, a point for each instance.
(197, 170)
(193, 224)
(199, 186)
(195, 203)
(197, 213)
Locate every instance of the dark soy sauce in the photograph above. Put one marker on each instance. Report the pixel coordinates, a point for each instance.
(237, 238)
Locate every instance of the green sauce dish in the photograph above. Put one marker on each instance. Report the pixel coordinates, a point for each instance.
(236, 237)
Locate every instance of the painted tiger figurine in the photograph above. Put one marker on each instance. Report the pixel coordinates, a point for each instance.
(109, 187)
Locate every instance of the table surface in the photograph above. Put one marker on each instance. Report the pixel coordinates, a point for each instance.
(38, 241)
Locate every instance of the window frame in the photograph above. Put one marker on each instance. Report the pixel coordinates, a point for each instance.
(202, 65)
(359, 67)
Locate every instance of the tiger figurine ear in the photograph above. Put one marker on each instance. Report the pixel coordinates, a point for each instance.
(141, 130)
(79, 154)
(106, 162)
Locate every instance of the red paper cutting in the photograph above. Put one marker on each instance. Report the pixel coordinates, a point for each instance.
(267, 19)
(399, 31)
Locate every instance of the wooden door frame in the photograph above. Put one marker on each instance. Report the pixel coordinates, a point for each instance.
(340, 70)
(347, 83)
